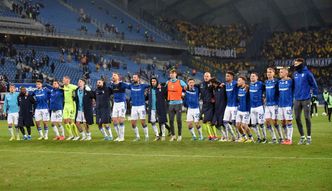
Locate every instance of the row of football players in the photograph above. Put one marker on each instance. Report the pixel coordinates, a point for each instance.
(232, 102)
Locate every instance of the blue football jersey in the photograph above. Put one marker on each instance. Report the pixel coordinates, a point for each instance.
(231, 92)
(244, 100)
(285, 93)
(271, 92)
(256, 94)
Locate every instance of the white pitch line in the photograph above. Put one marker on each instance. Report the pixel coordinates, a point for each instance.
(169, 155)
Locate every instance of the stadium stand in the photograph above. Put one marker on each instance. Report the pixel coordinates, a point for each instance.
(113, 21)
(302, 43)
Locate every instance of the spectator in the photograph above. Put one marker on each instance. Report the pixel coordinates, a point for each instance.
(52, 68)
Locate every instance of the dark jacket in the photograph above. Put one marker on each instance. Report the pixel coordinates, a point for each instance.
(206, 94)
(88, 96)
(26, 104)
(161, 104)
(103, 105)
(220, 98)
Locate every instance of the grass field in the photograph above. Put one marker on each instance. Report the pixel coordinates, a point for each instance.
(186, 165)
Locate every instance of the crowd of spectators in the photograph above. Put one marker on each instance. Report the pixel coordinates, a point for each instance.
(302, 43)
(27, 63)
(214, 36)
(218, 66)
(26, 9)
(209, 36)
(323, 76)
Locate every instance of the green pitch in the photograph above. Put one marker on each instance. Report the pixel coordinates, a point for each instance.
(188, 165)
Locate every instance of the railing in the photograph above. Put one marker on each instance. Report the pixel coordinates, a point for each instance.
(75, 35)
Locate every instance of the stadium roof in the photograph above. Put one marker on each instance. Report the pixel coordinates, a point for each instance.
(278, 14)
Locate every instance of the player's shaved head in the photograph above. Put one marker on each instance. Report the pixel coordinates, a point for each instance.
(135, 78)
(66, 80)
(207, 76)
(283, 73)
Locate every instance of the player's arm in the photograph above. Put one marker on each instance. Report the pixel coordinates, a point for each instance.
(185, 101)
(165, 85)
(5, 106)
(72, 86)
(48, 93)
(277, 89)
(313, 84)
(146, 86)
(163, 89)
(125, 85)
(90, 93)
(264, 92)
(33, 102)
(110, 90)
(18, 101)
(31, 99)
(183, 84)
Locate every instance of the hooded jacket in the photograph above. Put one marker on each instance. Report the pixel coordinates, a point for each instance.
(304, 81)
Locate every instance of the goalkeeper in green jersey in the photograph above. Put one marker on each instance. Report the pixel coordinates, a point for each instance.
(69, 109)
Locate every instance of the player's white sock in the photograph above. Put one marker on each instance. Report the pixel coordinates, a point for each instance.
(222, 132)
(17, 130)
(279, 131)
(289, 131)
(236, 129)
(11, 131)
(40, 132)
(116, 127)
(271, 130)
(136, 132)
(263, 130)
(230, 130)
(285, 131)
(45, 131)
(155, 129)
(200, 133)
(224, 127)
(83, 135)
(146, 131)
(192, 132)
(122, 130)
(56, 131)
(108, 128)
(163, 130)
(62, 130)
(103, 132)
(256, 131)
